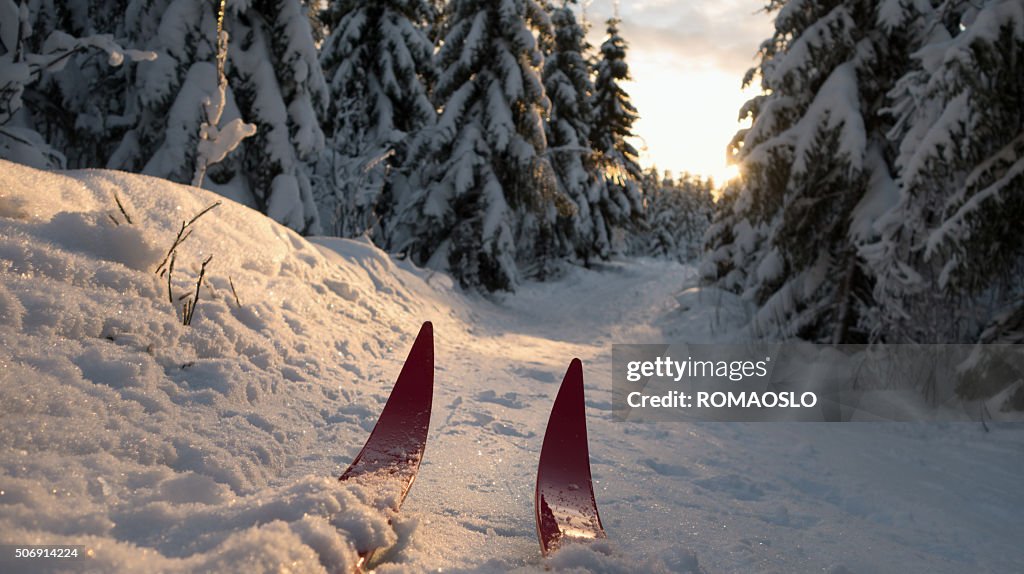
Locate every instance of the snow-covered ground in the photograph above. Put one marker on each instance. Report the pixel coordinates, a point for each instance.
(215, 446)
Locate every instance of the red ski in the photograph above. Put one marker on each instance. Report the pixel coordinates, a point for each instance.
(391, 457)
(564, 501)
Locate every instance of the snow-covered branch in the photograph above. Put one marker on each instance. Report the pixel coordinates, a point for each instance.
(215, 142)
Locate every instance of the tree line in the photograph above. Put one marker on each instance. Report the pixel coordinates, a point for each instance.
(486, 138)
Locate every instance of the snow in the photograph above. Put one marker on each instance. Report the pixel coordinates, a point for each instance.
(836, 106)
(881, 196)
(224, 140)
(214, 447)
(771, 267)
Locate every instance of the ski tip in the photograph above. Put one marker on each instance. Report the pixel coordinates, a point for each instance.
(564, 503)
(573, 375)
(576, 365)
(398, 440)
(424, 340)
(426, 332)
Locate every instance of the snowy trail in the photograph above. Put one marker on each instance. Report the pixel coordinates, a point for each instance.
(482, 504)
(745, 497)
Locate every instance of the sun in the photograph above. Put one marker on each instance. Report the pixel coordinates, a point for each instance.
(729, 173)
(688, 114)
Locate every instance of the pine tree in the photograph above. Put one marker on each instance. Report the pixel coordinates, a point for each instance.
(52, 62)
(84, 122)
(165, 100)
(729, 239)
(951, 256)
(275, 83)
(487, 208)
(141, 116)
(816, 165)
(279, 87)
(616, 201)
(676, 216)
(568, 84)
(378, 61)
(147, 116)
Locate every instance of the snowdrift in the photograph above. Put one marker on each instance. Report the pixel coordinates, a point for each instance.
(162, 446)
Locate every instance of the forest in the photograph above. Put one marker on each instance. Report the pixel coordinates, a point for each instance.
(882, 170)
(488, 139)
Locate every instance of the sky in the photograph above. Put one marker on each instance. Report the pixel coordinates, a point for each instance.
(687, 59)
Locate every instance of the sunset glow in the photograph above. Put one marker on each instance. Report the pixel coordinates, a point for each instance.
(687, 61)
(688, 116)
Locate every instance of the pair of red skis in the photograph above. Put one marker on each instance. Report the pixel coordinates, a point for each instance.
(564, 501)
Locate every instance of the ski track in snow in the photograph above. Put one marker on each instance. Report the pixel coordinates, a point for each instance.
(215, 447)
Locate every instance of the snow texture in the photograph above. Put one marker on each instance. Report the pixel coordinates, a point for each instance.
(214, 447)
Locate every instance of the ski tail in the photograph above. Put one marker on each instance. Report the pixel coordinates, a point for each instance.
(391, 456)
(564, 502)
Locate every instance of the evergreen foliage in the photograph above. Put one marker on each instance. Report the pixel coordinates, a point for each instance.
(616, 201)
(146, 116)
(165, 99)
(676, 216)
(487, 207)
(883, 176)
(62, 70)
(468, 135)
(951, 254)
(280, 87)
(816, 167)
(567, 81)
(378, 61)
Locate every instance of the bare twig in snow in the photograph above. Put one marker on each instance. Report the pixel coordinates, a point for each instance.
(121, 207)
(190, 306)
(170, 270)
(233, 292)
(202, 213)
(183, 234)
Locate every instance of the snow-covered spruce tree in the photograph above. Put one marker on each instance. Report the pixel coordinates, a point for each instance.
(567, 81)
(615, 201)
(378, 62)
(676, 216)
(69, 104)
(279, 86)
(951, 256)
(140, 116)
(216, 138)
(274, 82)
(727, 240)
(816, 165)
(486, 208)
(165, 100)
(62, 75)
